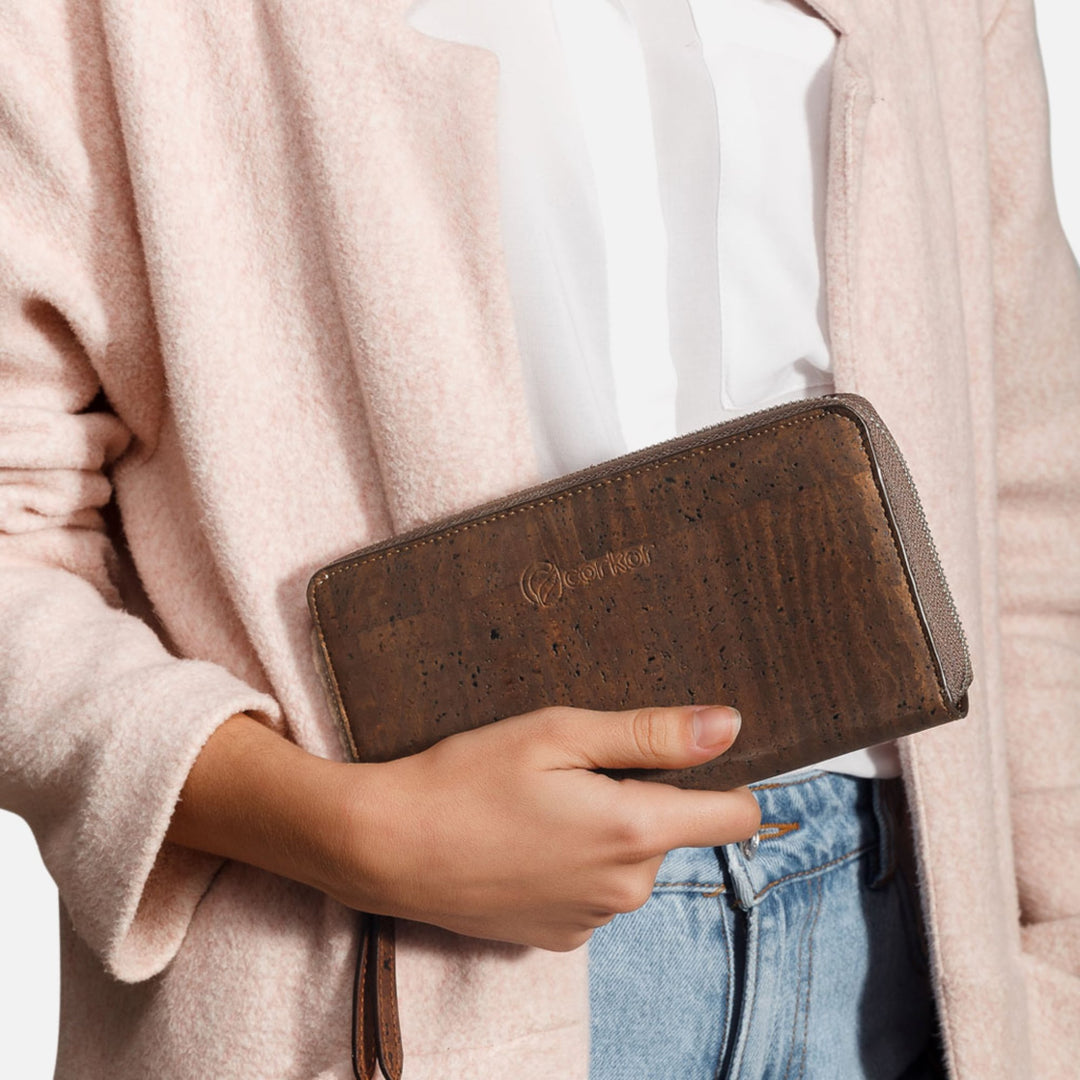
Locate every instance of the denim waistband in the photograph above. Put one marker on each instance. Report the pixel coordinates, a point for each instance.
(809, 824)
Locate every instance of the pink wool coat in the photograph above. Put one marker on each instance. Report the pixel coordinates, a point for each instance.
(251, 284)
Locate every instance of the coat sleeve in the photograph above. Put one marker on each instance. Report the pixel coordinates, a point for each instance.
(99, 722)
(1037, 404)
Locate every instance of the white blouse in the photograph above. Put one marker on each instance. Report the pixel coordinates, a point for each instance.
(662, 177)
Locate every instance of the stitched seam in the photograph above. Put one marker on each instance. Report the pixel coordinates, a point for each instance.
(607, 481)
(746, 1017)
(729, 953)
(809, 980)
(812, 869)
(716, 888)
(776, 830)
(795, 1011)
(806, 1013)
(805, 941)
(788, 783)
(389, 1024)
(361, 1050)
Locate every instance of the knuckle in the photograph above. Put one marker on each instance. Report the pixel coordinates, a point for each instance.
(634, 836)
(551, 723)
(553, 714)
(546, 728)
(650, 733)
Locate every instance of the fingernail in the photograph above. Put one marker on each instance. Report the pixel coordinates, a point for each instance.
(715, 725)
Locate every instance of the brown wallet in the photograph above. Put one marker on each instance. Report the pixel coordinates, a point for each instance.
(779, 562)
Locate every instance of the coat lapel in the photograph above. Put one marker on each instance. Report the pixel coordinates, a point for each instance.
(406, 167)
(906, 334)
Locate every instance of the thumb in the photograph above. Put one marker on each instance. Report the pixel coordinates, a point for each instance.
(652, 738)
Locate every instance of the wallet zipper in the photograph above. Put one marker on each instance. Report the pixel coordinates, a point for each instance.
(953, 614)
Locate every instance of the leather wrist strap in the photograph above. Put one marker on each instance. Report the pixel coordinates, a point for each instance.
(376, 1034)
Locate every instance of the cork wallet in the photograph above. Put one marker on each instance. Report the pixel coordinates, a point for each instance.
(780, 562)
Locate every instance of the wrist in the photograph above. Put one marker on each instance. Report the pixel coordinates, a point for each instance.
(254, 796)
(364, 851)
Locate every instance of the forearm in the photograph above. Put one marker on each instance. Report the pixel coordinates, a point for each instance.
(254, 796)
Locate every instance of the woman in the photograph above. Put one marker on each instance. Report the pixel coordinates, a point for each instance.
(252, 269)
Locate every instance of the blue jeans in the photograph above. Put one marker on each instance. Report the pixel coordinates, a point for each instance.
(800, 957)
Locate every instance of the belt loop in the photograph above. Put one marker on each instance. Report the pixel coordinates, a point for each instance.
(884, 865)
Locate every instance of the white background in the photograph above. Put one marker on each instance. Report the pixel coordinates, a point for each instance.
(28, 907)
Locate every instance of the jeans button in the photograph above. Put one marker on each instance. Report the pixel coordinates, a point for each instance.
(749, 846)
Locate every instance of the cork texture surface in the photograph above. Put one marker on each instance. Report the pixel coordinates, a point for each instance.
(760, 572)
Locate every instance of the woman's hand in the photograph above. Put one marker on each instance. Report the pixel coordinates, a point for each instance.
(503, 832)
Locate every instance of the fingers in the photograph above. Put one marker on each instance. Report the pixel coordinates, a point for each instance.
(653, 738)
(658, 817)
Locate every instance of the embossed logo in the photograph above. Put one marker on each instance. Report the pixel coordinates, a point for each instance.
(543, 582)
